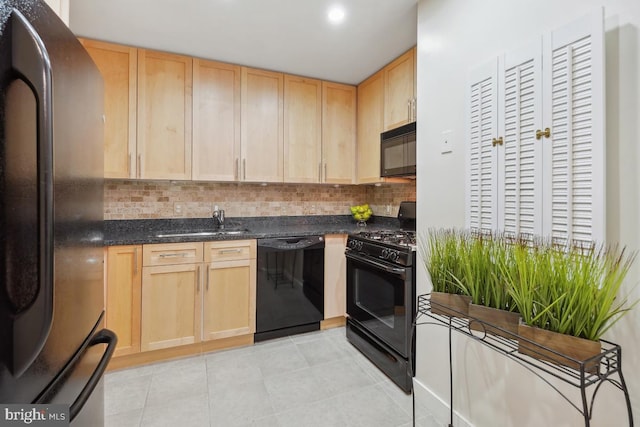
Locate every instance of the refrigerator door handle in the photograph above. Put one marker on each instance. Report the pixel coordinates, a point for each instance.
(105, 336)
(30, 60)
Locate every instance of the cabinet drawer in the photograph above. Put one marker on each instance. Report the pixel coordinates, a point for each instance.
(171, 253)
(229, 250)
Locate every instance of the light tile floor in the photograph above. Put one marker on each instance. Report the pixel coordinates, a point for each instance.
(311, 380)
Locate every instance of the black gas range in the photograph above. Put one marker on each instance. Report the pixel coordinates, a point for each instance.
(381, 295)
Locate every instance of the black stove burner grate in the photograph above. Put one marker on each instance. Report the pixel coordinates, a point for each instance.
(391, 237)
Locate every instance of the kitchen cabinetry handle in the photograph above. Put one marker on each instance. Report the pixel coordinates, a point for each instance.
(229, 251)
(244, 169)
(135, 261)
(129, 166)
(409, 110)
(139, 171)
(198, 280)
(236, 171)
(320, 172)
(173, 255)
(208, 273)
(414, 115)
(325, 172)
(497, 141)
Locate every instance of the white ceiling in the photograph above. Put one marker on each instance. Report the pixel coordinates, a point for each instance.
(293, 36)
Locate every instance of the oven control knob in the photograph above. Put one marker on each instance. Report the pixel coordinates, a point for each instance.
(355, 244)
(392, 256)
(384, 254)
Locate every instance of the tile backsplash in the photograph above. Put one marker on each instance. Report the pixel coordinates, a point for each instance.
(168, 199)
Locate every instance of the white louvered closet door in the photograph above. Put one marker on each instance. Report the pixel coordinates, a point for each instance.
(482, 157)
(574, 155)
(521, 114)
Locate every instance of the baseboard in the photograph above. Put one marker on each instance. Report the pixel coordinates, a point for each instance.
(171, 353)
(333, 322)
(438, 408)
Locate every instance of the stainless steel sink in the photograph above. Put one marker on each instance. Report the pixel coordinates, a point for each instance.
(203, 233)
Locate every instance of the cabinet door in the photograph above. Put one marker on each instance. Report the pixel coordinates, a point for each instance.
(216, 121)
(574, 110)
(302, 129)
(229, 307)
(399, 77)
(338, 133)
(164, 115)
(171, 304)
(262, 126)
(520, 104)
(483, 153)
(335, 276)
(370, 125)
(123, 296)
(118, 66)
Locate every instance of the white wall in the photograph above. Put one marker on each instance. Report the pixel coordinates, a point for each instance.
(453, 36)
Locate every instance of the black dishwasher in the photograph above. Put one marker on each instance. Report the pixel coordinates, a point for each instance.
(290, 286)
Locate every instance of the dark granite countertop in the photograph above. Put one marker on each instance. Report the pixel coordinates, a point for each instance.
(143, 231)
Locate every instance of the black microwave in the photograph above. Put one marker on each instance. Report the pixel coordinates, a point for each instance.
(398, 151)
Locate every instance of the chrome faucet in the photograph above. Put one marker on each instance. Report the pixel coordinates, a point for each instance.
(218, 216)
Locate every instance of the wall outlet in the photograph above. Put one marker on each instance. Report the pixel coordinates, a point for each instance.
(177, 208)
(446, 141)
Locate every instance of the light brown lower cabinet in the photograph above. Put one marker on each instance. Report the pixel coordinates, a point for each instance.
(170, 305)
(335, 276)
(123, 295)
(229, 299)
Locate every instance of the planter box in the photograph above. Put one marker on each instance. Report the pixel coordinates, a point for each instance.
(452, 305)
(568, 346)
(491, 319)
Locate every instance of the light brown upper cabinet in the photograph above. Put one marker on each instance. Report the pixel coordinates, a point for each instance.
(400, 91)
(370, 125)
(216, 121)
(118, 66)
(261, 158)
(386, 100)
(164, 115)
(302, 129)
(338, 133)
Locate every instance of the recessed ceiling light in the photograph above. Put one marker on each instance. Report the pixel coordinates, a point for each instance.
(336, 14)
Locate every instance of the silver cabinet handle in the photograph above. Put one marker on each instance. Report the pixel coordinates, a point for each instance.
(415, 109)
(325, 172)
(236, 172)
(174, 255)
(198, 280)
(208, 272)
(129, 165)
(135, 261)
(320, 172)
(409, 110)
(139, 166)
(229, 251)
(244, 169)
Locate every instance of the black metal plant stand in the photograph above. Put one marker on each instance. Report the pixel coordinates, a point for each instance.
(609, 361)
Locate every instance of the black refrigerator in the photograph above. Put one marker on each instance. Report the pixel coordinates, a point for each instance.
(53, 347)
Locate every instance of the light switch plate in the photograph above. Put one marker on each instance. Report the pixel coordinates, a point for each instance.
(446, 141)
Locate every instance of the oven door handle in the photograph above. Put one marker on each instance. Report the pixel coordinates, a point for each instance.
(385, 267)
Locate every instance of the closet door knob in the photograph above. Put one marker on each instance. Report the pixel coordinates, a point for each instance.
(540, 133)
